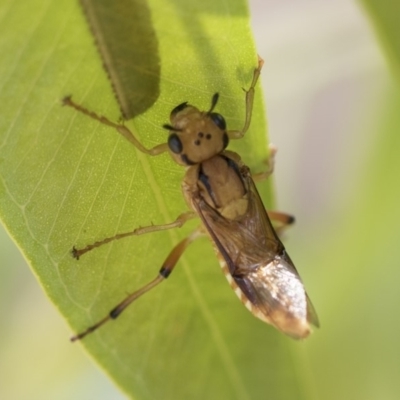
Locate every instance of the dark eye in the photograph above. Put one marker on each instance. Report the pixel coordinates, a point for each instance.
(178, 108)
(218, 120)
(174, 143)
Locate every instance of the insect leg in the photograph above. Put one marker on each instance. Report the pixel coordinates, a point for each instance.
(164, 272)
(122, 129)
(281, 217)
(179, 222)
(270, 162)
(249, 99)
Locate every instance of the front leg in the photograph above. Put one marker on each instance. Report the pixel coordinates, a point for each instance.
(249, 100)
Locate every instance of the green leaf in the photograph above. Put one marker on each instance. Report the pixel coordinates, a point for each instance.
(66, 180)
(385, 17)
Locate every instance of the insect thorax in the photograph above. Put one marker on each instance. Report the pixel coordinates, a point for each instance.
(218, 181)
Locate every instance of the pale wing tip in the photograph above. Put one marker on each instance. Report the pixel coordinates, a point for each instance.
(303, 328)
(300, 331)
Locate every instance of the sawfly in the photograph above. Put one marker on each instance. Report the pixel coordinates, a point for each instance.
(220, 190)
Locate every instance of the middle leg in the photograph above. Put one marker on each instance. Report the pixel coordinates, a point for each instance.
(179, 222)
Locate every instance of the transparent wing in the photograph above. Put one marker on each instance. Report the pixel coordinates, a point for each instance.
(259, 265)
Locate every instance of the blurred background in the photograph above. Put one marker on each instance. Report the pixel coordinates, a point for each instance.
(332, 106)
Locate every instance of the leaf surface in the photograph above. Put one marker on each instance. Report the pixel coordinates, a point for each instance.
(67, 180)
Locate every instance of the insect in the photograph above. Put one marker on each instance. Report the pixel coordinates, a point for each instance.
(220, 190)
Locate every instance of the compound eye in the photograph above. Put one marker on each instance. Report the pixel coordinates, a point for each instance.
(218, 120)
(174, 143)
(178, 108)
